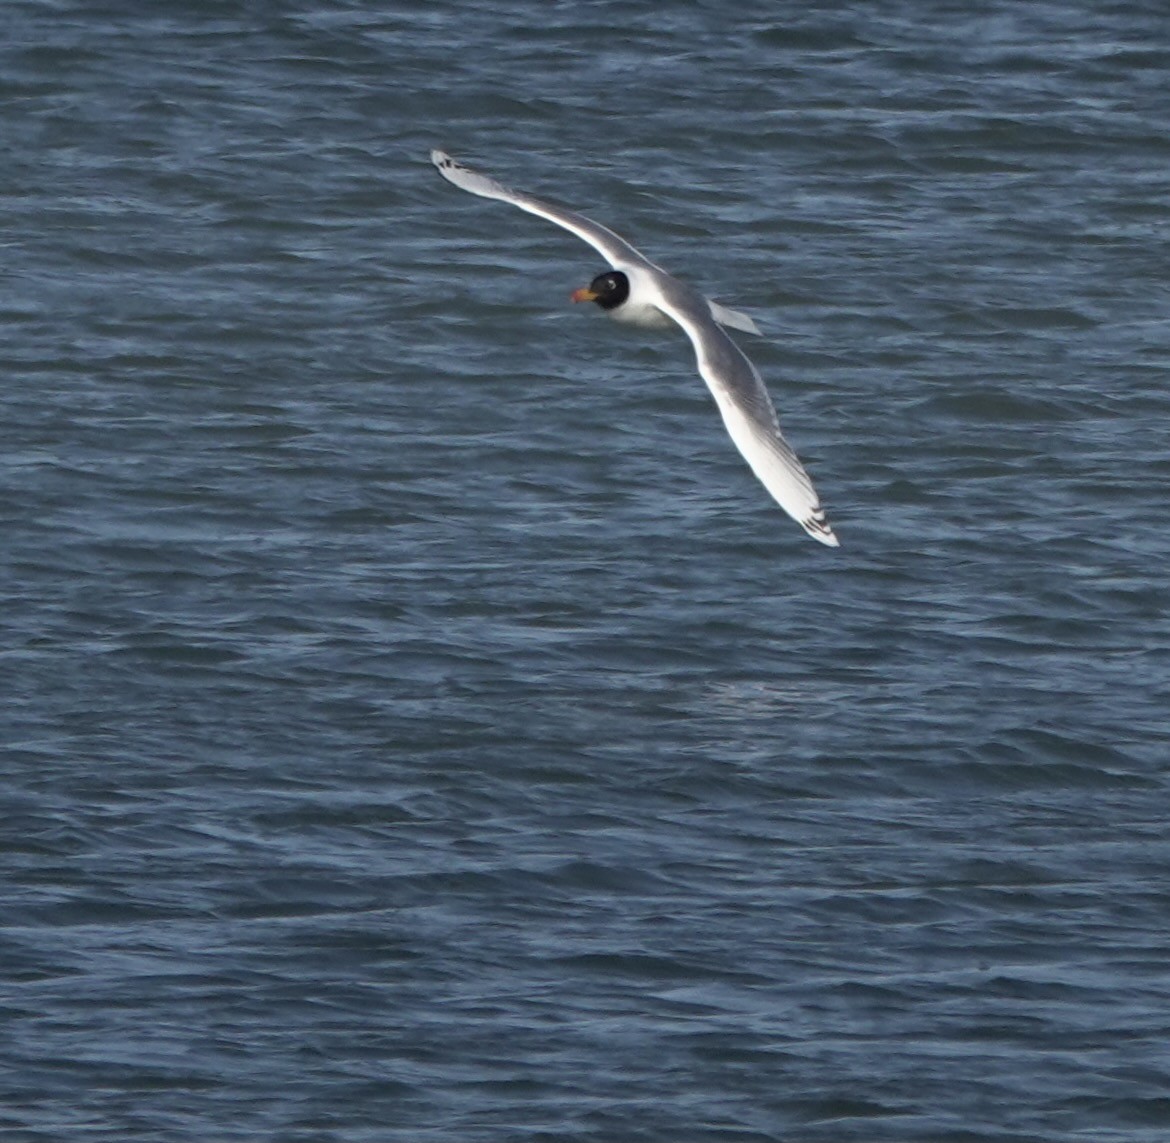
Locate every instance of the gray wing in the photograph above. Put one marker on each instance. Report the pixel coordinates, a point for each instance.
(616, 250)
(747, 410)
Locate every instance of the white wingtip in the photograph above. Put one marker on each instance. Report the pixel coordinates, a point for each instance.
(820, 529)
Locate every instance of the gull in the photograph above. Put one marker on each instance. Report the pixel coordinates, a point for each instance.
(637, 292)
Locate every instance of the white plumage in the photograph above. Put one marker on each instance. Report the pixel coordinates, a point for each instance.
(640, 293)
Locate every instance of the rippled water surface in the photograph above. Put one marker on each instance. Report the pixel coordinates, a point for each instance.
(419, 725)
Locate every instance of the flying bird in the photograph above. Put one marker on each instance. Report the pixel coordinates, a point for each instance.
(636, 291)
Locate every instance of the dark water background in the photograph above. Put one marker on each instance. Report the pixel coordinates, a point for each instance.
(417, 723)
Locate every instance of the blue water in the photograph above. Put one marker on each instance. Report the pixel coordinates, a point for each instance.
(417, 722)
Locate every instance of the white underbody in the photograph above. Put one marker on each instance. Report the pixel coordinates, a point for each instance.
(643, 314)
(658, 301)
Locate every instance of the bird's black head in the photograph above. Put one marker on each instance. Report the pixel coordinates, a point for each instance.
(608, 290)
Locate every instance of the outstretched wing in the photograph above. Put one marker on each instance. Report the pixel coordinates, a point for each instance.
(747, 411)
(616, 250)
(738, 389)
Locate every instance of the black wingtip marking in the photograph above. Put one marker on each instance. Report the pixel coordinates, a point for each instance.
(817, 525)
